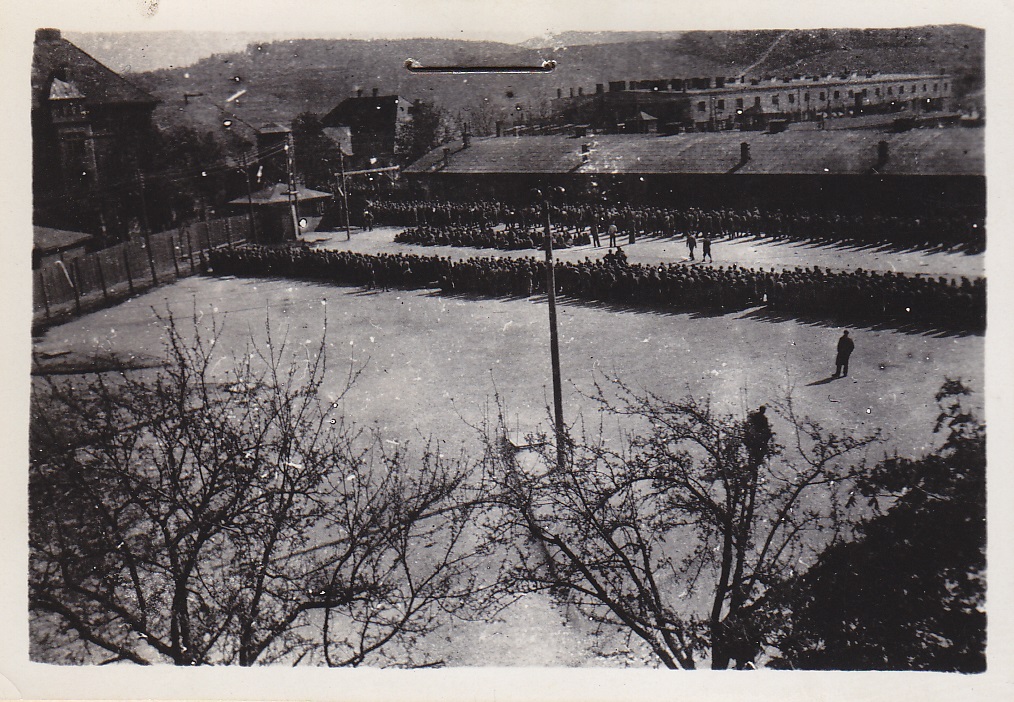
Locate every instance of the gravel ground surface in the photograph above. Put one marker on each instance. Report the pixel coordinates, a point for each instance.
(433, 363)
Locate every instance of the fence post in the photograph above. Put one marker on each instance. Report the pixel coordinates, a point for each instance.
(77, 285)
(102, 275)
(151, 259)
(126, 264)
(172, 250)
(190, 251)
(228, 231)
(42, 287)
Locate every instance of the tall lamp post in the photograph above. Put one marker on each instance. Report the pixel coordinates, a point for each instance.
(291, 174)
(554, 342)
(345, 193)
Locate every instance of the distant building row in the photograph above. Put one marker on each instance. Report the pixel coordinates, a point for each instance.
(706, 104)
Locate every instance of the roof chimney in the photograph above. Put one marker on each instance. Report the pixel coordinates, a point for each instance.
(599, 88)
(47, 35)
(580, 91)
(447, 155)
(466, 137)
(559, 93)
(375, 91)
(499, 128)
(359, 92)
(744, 152)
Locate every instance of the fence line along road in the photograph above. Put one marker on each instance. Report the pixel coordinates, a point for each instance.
(68, 288)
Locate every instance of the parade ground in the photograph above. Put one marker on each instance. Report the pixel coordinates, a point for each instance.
(432, 364)
(750, 252)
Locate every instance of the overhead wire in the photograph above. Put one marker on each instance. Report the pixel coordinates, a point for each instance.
(166, 176)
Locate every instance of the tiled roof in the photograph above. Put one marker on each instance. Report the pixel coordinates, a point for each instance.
(49, 240)
(954, 151)
(99, 85)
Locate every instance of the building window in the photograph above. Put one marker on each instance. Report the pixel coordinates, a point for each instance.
(702, 106)
(739, 103)
(945, 87)
(756, 101)
(774, 100)
(876, 91)
(852, 93)
(721, 105)
(792, 99)
(890, 90)
(935, 85)
(837, 94)
(924, 87)
(822, 97)
(806, 97)
(901, 90)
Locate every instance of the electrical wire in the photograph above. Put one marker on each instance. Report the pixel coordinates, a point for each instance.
(167, 176)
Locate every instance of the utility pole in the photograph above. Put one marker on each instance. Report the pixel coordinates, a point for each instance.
(147, 227)
(345, 192)
(249, 199)
(291, 173)
(554, 342)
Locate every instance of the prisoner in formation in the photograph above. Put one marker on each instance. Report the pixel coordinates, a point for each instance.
(943, 228)
(858, 296)
(485, 237)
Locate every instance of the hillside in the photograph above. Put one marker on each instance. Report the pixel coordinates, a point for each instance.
(285, 78)
(584, 38)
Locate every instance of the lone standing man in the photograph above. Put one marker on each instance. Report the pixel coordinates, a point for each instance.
(612, 234)
(845, 348)
(757, 436)
(691, 244)
(706, 248)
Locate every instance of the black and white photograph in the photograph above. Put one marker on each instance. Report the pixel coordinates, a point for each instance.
(455, 338)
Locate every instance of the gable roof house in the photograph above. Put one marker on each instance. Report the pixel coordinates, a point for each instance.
(374, 123)
(91, 129)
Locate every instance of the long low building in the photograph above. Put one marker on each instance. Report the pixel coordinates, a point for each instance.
(837, 167)
(723, 103)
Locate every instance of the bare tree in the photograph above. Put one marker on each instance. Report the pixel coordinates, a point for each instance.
(192, 516)
(924, 547)
(670, 530)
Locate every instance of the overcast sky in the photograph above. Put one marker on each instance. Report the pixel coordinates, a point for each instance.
(503, 20)
(242, 21)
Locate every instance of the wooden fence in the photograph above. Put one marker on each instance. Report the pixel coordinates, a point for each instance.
(142, 262)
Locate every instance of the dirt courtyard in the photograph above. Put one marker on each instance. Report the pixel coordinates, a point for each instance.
(432, 364)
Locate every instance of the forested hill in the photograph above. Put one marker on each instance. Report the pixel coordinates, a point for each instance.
(285, 78)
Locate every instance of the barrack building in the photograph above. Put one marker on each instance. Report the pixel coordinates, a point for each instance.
(710, 104)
